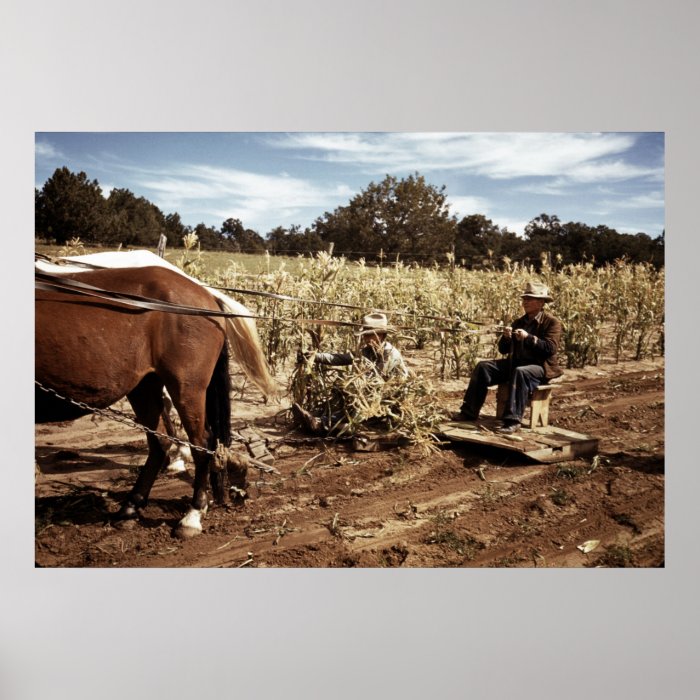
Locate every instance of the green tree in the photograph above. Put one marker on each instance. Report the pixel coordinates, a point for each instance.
(209, 238)
(134, 220)
(544, 236)
(294, 241)
(510, 245)
(658, 251)
(609, 245)
(577, 243)
(239, 238)
(408, 217)
(277, 240)
(175, 230)
(306, 241)
(477, 238)
(70, 206)
(645, 249)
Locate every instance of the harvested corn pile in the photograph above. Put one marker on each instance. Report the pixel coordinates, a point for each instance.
(356, 399)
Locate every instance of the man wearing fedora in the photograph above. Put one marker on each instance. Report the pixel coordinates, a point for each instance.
(374, 347)
(531, 344)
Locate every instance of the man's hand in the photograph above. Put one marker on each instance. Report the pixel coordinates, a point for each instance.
(507, 332)
(520, 334)
(304, 356)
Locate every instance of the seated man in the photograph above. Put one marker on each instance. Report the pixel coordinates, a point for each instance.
(531, 344)
(373, 347)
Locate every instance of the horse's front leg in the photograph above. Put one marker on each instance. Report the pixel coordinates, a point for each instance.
(205, 417)
(178, 455)
(191, 524)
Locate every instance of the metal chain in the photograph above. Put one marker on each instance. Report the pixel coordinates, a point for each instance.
(120, 417)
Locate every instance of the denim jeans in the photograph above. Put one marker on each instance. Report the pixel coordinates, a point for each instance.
(523, 380)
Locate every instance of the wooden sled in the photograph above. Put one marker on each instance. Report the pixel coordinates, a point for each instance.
(544, 444)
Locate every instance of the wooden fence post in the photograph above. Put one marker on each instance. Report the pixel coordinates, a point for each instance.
(162, 242)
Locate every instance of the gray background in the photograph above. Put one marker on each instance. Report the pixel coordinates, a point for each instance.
(380, 65)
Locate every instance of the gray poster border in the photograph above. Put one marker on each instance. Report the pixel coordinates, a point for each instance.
(395, 66)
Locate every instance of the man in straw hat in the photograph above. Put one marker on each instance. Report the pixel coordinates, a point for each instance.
(374, 347)
(531, 344)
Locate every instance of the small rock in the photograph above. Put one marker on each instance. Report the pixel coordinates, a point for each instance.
(125, 524)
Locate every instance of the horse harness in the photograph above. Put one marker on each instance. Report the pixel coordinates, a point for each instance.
(50, 282)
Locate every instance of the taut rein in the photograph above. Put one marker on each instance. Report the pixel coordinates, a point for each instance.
(278, 297)
(50, 282)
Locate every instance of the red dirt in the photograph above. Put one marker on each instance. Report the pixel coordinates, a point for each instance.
(332, 507)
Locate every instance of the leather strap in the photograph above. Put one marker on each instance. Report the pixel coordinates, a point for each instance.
(49, 282)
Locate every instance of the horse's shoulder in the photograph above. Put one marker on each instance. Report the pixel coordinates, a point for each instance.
(172, 285)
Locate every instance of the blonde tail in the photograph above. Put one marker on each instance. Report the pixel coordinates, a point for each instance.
(245, 344)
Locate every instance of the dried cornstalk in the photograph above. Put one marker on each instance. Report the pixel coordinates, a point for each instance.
(357, 399)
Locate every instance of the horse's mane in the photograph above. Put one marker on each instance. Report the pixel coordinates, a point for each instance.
(242, 333)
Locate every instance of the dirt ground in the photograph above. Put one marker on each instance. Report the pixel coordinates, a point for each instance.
(329, 506)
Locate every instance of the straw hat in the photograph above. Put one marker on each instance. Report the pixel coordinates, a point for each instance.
(374, 323)
(537, 290)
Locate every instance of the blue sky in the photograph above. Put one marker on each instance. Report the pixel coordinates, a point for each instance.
(280, 179)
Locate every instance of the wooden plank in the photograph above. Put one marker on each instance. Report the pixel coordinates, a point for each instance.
(553, 440)
(258, 450)
(566, 433)
(518, 441)
(545, 444)
(255, 444)
(565, 453)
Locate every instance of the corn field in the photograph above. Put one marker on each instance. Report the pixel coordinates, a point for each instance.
(452, 313)
(449, 312)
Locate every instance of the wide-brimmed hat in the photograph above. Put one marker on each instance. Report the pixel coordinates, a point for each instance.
(537, 290)
(374, 323)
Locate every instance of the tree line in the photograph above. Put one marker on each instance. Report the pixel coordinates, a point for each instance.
(406, 218)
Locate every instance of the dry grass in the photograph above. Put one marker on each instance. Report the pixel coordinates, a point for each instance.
(626, 298)
(357, 399)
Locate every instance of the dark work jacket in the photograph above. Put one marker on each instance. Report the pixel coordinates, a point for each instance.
(389, 362)
(540, 347)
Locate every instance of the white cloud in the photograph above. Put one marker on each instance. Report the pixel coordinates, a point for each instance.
(514, 225)
(464, 206)
(517, 165)
(651, 228)
(582, 157)
(650, 200)
(251, 197)
(43, 149)
(555, 187)
(611, 171)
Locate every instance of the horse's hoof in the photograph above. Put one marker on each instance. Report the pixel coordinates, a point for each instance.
(127, 512)
(190, 525)
(176, 467)
(186, 533)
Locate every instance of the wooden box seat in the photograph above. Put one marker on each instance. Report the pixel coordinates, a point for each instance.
(539, 403)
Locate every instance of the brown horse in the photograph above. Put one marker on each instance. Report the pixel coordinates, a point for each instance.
(240, 330)
(97, 351)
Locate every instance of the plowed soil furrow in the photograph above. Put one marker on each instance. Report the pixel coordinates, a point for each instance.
(463, 506)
